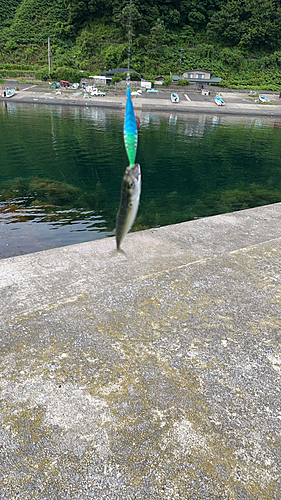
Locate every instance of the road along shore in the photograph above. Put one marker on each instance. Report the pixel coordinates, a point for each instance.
(236, 103)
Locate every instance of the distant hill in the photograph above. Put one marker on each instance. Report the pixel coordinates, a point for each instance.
(239, 41)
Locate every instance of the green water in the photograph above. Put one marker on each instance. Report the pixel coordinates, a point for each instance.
(61, 170)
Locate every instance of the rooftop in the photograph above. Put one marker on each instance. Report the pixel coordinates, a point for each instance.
(112, 72)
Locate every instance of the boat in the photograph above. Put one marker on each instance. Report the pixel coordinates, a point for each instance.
(9, 92)
(175, 97)
(263, 98)
(219, 101)
(152, 91)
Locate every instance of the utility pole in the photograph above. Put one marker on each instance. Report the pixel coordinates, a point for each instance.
(49, 54)
(181, 51)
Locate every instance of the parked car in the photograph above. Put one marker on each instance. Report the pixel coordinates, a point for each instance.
(97, 93)
(64, 83)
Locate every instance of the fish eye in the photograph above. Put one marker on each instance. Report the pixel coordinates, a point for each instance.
(131, 185)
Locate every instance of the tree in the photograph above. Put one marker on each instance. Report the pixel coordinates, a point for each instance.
(81, 11)
(252, 24)
(127, 18)
(225, 24)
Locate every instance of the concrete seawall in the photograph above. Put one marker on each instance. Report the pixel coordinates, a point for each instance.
(149, 374)
(236, 104)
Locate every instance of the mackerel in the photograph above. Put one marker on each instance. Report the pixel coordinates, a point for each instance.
(129, 203)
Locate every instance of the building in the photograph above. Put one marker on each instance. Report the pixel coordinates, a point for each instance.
(95, 80)
(146, 84)
(199, 76)
(175, 78)
(111, 73)
(159, 80)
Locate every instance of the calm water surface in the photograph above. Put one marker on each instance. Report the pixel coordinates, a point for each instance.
(61, 171)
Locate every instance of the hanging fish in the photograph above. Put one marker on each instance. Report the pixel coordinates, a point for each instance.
(131, 182)
(129, 203)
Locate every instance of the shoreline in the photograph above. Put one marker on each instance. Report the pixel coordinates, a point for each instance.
(236, 103)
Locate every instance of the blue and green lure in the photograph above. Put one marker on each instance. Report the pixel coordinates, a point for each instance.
(130, 130)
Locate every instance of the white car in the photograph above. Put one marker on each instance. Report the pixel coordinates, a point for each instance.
(96, 92)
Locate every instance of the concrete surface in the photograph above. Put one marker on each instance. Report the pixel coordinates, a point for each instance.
(153, 374)
(237, 102)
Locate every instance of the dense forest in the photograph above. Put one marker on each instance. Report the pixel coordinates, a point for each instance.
(238, 40)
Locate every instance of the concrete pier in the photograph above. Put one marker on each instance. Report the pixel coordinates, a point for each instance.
(149, 374)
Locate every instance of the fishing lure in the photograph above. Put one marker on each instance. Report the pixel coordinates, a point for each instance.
(130, 130)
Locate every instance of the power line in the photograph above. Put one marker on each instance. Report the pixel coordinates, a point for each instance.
(130, 38)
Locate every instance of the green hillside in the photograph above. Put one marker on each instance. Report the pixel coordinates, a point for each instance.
(238, 40)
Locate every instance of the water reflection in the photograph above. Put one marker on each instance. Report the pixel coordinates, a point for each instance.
(196, 127)
(173, 120)
(61, 170)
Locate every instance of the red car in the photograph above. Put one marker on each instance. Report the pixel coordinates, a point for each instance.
(64, 83)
